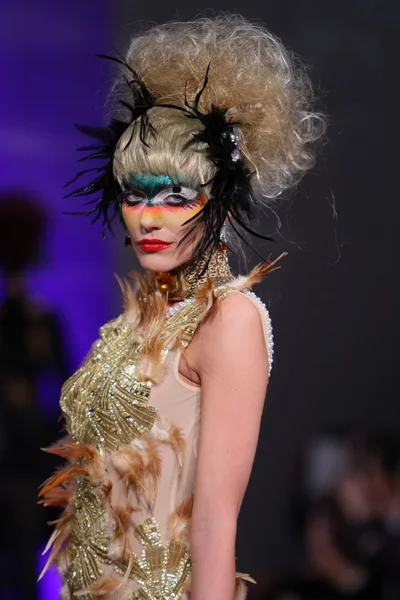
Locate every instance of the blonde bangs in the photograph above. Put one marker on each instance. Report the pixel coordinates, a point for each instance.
(166, 152)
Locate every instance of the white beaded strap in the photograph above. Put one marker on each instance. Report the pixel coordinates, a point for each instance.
(270, 336)
(173, 309)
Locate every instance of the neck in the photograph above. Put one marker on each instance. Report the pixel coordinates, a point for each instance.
(183, 282)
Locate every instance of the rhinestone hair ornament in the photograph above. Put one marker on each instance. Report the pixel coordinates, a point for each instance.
(231, 195)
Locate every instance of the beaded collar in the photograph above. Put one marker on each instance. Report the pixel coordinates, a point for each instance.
(183, 282)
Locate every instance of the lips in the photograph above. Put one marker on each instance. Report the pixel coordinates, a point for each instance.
(153, 245)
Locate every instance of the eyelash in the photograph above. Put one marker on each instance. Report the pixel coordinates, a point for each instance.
(186, 202)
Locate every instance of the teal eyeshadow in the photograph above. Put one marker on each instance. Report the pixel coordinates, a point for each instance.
(151, 184)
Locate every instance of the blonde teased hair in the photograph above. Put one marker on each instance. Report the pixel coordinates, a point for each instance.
(262, 86)
(165, 152)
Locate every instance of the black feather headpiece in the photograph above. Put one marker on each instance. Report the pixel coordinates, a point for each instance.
(106, 204)
(231, 194)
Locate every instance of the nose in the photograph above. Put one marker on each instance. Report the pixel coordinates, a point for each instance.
(151, 219)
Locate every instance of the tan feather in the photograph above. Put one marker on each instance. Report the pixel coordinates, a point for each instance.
(64, 474)
(57, 539)
(166, 432)
(150, 366)
(104, 585)
(72, 451)
(122, 518)
(257, 274)
(130, 466)
(145, 307)
(204, 294)
(177, 441)
(57, 497)
(130, 304)
(240, 590)
(52, 538)
(127, 572)
(106, 488)
(65, 593)
(153, 464)
(179, 520)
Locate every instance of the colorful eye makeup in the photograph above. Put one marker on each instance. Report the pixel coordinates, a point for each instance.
(164, 199)
(158, 189)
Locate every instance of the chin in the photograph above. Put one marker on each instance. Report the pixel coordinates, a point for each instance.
(158, 263)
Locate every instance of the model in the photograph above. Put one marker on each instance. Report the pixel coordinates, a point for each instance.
(213, 121)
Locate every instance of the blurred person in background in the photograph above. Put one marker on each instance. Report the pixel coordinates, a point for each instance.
(31, 346)
(351, 528)
(331, 569)
(368, 496)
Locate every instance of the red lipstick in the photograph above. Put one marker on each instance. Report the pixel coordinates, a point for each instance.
(153, 245)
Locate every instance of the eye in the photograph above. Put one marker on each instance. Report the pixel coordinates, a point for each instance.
(180, 196)
(133, 197)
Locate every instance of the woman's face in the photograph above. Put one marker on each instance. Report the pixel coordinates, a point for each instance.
(154, 209)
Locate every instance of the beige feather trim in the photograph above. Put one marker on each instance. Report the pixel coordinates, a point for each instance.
(167, 432)
(139, 464)
(179, 521)
(74, 452)
(146, 307)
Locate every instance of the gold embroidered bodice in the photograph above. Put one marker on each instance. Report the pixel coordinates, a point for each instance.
(127, 489)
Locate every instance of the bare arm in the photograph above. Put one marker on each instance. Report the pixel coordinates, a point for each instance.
(233, 367)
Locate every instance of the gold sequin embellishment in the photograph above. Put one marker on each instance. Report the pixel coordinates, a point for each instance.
(88, 543)
(161, 571)
(103, 404)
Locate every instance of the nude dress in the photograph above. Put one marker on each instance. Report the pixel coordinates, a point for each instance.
(127, 489)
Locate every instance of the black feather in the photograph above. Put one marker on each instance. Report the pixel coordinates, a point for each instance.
(108, 202)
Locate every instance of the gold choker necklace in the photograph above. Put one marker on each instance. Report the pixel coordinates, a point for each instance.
(184, 281)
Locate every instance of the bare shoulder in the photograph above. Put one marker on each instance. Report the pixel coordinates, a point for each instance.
(235, 313)
(233, 331)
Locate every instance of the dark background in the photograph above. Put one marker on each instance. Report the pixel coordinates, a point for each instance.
(334, 302)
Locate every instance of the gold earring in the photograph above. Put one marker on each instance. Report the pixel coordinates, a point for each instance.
(128, 241)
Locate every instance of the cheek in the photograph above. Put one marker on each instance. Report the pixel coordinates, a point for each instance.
(131, 216)
(176, 216)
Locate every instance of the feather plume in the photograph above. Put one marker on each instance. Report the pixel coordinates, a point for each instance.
(205, 294)
(106, 488)
(122, 518)
(65, 593)
(129, 465)
(167, 432)
(179, 520)
(104, 185)
(63, 475)
(57, 539)
(72, 451)
(256, 274)
(57, 497)
(153, 465)
(177, 441)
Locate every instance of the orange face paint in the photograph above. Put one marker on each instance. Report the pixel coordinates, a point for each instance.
(162, 214)
(160, 200)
